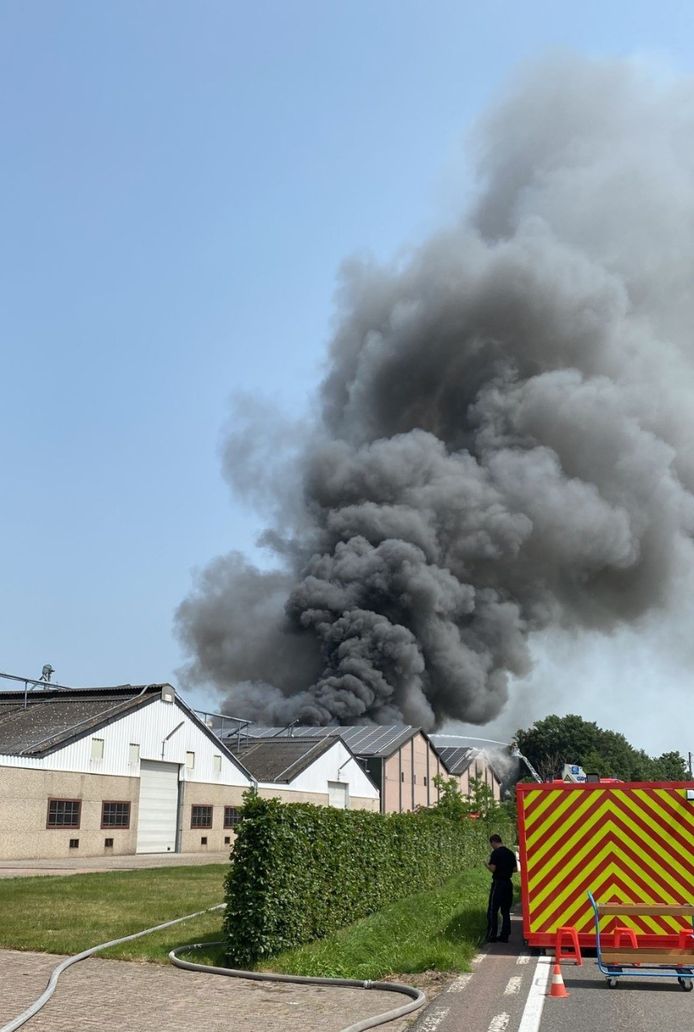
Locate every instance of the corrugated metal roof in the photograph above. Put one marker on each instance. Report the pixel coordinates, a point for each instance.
(281, 759)
(51, 718)
(377, 740)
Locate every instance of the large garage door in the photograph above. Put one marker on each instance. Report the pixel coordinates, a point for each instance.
(158, 812)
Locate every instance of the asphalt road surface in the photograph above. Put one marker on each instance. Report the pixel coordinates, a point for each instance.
(507, 992)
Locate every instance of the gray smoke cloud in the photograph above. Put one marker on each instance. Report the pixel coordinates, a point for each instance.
(504, 443)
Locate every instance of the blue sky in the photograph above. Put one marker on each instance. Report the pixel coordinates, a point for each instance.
(179, 184)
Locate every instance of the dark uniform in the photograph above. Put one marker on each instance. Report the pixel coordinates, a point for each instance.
(500, 894)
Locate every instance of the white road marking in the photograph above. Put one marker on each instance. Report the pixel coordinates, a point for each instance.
(432, 1022)
(499, 1023)
(460, 983)
(513, 986)
(523, 958)
(532, 1013)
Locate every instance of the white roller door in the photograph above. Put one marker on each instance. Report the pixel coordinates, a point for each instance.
(337, 795)
(158, 812)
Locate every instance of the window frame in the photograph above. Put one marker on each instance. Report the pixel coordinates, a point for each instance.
(237, 814)
(199, 806)
(61, 827)
(116, 802)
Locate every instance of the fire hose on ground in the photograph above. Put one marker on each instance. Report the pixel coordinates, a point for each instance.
(417, 1000)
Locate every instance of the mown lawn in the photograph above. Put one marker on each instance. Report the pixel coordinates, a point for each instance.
(435, 930)
(70, 914)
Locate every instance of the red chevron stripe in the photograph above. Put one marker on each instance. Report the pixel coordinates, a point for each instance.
(610, 888)
(679, 887)
(649, 848)
(666, 831)
(621, 849)
(571, 829)
(671, 831)
(582, 882)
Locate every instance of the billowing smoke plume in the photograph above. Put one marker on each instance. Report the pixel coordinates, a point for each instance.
(505, 439)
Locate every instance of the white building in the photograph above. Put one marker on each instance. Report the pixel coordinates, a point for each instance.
(133, 769)
(112, 770)
(314, 770)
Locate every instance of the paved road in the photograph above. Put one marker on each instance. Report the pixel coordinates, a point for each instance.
(636, 1005)
(90, 864)
(507, 992)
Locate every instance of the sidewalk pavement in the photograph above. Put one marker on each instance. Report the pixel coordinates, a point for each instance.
(90, 864)
(123, 996)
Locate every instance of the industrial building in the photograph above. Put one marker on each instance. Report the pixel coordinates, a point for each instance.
(466, 763)
(133, 769)
(398, 758)
(317, 770)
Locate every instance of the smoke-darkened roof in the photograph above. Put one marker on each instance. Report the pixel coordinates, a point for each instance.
(281, 759)
(363, 739)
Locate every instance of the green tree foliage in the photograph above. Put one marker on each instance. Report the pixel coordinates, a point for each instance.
(554, 741)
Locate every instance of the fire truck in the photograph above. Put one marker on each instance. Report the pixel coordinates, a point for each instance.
(621, 841)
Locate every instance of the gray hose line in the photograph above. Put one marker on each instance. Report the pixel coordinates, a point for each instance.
(45, 996)
(418, 997)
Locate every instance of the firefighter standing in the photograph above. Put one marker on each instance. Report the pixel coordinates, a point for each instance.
(502, 864)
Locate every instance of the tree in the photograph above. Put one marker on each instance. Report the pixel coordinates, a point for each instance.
(554, 741)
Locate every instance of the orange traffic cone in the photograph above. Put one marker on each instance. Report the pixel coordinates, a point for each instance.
(558, 988)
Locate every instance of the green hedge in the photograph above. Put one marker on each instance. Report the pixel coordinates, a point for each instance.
(300, 871)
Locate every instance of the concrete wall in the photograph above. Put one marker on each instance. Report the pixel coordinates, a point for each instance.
(409, 776)
(289, 795)
(24, 796)
(217, 796)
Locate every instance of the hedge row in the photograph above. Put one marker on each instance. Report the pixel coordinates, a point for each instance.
(300, 871)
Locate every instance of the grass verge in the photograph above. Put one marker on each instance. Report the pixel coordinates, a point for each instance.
(436, 930)
(70, 914)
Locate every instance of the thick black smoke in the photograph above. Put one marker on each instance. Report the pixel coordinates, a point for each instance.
(505, 439)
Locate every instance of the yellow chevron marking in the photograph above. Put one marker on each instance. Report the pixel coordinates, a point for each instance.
(653, 873)
(682, 821)
(603, 885)
(574, 849)
(544, 841)
(650, 850)
(550, 797)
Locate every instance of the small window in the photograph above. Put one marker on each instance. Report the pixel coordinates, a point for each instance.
(108, 843)
(426, 781)
(402, 776)
(64, 813)
(74, 843)
(97, 748)
(190, 760)
(134, 754)
(203, 840)
(115, 815)
(217, 764)
(227, 840)
(232, 816)
(201, 817)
